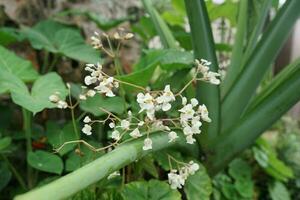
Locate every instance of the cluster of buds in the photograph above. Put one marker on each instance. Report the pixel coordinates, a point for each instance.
(177, 178)
(54, 98)
(105, 83)
(209, 76)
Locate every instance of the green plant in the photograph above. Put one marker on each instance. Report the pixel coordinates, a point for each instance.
(235, 107)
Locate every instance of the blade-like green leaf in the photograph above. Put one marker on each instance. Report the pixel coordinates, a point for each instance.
(238, 48)
(102, 167)
(203, 45)
(58, 38)
(260, 60)
(255, 122)
(161, 27)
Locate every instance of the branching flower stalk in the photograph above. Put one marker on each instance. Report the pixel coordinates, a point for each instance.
(152, 103)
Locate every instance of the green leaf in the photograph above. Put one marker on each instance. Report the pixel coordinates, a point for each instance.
(4, 143)
(204, 47)
(228, 10)
(5, 175)
(152, 190)
(245, 85)
(42, 88)
(161, 27)
(262, 116)
(112, 104)
(9, 36)
(19, 67)
(278, 191)
(239, 170)
(267, 159)
(45, 161)
(58, 38)
(198, 186)
(104, 23)
(57, 136)
(237, 52)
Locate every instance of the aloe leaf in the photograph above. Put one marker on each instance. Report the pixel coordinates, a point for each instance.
(260, 60)
(256, 121)
(161, 27)
(238, 48)
(102, 167)
(204, 47)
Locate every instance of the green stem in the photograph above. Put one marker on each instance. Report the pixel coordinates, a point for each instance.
(15, 172)
(27, 117)
(103, 166)
(45, 62)
(53, 63)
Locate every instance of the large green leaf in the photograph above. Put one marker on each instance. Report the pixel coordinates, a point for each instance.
(204, 47)
(262, 116)
(161, 27)
(198, 186)
(58, 38)
(38, 99)
(112, 104)
(19, 67)
(278, 191)
(9, 35)
(45, 161)
(152, 190)
(244, 87)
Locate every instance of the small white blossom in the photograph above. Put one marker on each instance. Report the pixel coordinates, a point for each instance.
(135, 133)
(88, 80)
(128, 36)
(90, 93)
(125, 124)
(82, 97)
(87, 129)
(54, 98)
(175, 180)
(212, 78)
(141, 123)
(147, 144)
(113, 175)
(194, 102)
(204, 113)
(172, 136)
(146, 102)
(192, 167)
(62, 104)
(166, 98)
(111, 125)
(87, 119)
(115, 135)
(184, 100)
(190, 139)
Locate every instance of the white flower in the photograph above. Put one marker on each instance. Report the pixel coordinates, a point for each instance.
(155, 43)
(113, 175)
(166, 98)
(135, 133)
(62, 104)
(187, 130)
(90, 93)
(82, 97)
(87, 129)
(212, 78)
(111, 125)
(87, 119)
(175, 180)
(146, 102)
(187, 112)
(88, 80)
(190, 139)
(105, 87)
(125, 124)
(115, 135)
(147, 144)
(184, 100)
(141, 123)
(204, 113)
(192, 167)
(128, 36)
(194, 102)
(54, 98)
(218, 1)
(172, 136)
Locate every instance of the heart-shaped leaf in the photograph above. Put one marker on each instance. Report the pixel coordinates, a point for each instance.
(19, 67)
(58, 38)
(45, 161)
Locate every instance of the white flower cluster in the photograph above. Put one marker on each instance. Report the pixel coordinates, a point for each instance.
(87, 129)
(105, 83)
(178, 178)
(190, 117)
(54, 98)
(212, 77)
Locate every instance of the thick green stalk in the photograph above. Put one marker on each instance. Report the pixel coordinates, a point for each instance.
(102, 167)
(238, 48)
(259, 119)
(27, 116)
(237, 99)
(204, 47)
(162, 29)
